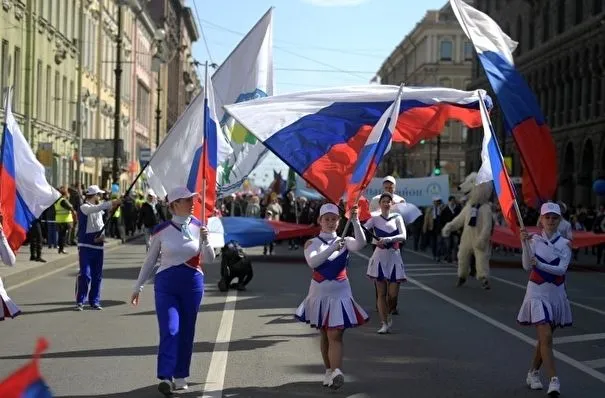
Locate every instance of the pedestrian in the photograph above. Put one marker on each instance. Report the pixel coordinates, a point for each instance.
(329, 305)
(64, 217)
(90, 247)
(386, 264)
(150, 216)
(34, 236)
(545, 306)
(7, 306)
(179, 286)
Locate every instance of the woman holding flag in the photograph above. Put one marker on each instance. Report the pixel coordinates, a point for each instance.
(8, 308)
(330, 306)
(179, 286)
(386, 264)
(545, 306)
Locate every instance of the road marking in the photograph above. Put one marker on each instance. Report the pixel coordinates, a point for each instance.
(524, 286)
(579, 338)
(215, 379)
(507, 329)
(596, 363)
(56, 271)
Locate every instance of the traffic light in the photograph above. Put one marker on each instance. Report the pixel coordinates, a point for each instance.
(437, 171)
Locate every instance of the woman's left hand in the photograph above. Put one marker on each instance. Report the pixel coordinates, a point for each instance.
(204, 234)
(354, 212)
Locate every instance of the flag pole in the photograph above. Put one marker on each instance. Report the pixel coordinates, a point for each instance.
(5, 98)
(205, 144)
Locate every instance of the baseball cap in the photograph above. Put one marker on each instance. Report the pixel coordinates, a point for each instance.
(437, 198)
(180, 193)
(151, 192)
(550, 208)
(328, 208)
(93, 190)
(390, 179)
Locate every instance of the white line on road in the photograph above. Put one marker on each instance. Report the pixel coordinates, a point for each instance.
(420, 274)
(215, 380)
(579, 338)
(596, 363)
(507, 329)
(522, 286)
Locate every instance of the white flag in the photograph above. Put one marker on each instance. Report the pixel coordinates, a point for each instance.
(245, 75)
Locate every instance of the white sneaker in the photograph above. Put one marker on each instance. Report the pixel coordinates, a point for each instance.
(533, 380)
(554, 387)
(327, 377)
(390, 322)
(337, 379)
(384, 329)
(180, 384)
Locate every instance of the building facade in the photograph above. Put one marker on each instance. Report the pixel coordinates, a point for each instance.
(435, 53)
(38, 57)
(561, 54)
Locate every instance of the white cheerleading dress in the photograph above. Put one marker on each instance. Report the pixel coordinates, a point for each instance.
(545, 299)
(386, 264)
(9, 308)
(330, 303)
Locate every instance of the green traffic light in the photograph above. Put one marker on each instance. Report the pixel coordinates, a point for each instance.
(422, 142)
(437, 171)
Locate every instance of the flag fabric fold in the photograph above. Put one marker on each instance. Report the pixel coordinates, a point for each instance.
(522, 115)
(24, 191)
(378, 143)
(27, 382)
(321, 133)
(191, 152)
(246, 74)
(494, 169)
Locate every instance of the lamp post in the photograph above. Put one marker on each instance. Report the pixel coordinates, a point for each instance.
(118, 100)
(160, 35)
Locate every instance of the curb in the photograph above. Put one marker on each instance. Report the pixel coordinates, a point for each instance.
(41, 270)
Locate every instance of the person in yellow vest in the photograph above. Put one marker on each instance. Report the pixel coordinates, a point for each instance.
(64, 217)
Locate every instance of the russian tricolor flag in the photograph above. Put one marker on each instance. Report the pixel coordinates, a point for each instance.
(494, 169)
(321, 133)
(24, 191)
(378, 143)
(27, 381)
(202, 175)
(522, 115)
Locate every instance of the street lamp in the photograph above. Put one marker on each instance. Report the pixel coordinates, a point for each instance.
(160, 36)
(118, 99)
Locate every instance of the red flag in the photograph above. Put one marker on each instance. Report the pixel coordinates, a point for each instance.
(27, 381)
(363, 209)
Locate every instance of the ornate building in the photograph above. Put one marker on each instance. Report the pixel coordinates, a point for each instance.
(435, 53)
(561, 54)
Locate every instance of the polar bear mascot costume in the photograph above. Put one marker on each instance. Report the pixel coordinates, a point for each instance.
(476, 222)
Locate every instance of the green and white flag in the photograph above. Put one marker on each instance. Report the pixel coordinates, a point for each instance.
(246, 74)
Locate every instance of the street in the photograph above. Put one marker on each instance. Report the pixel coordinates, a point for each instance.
(446, 342)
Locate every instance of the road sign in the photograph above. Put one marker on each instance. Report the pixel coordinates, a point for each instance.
(101, 148)
(144, 155)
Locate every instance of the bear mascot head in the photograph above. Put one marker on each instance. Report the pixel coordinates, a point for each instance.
(476, 194)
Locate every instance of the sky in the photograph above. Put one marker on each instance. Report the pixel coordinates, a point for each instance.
(317, 43)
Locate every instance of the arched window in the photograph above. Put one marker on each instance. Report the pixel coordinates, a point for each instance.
(446, 50)
(519, 33)
(561, 16)
(545, 25)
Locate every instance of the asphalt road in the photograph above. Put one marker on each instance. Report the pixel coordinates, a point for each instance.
(446, 342)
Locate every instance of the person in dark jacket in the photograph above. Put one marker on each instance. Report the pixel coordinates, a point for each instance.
(450, 211)
(34, 235)
(150, 215)
(75, 199)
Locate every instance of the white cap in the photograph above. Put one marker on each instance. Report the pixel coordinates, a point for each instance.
(180, 193)
(550, 208)
(328, 208)
(93, 190)
(151, 192)
(390, 179)
(436, 198)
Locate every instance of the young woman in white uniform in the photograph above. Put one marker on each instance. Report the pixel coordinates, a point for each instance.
(545, 306)
(386, 264)
(330, 306)
(9, 309)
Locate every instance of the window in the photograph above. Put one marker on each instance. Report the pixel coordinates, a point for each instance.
(560, 16)
(57, 113)
(74, 20)
(4, 66)
(72, 103)
(143, 104)
(49, 104)
(446, 50)
(597, 6)
(39, 94)
(468, 51)
(519, 33)
(66, 12)
(57, 19)
(41, 9)
(531, 33)
(65, 101)
(545, 25)
(17, 80)
(445, 82)
(579, 11)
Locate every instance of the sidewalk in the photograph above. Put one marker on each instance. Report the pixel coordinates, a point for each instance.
(25, 270)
